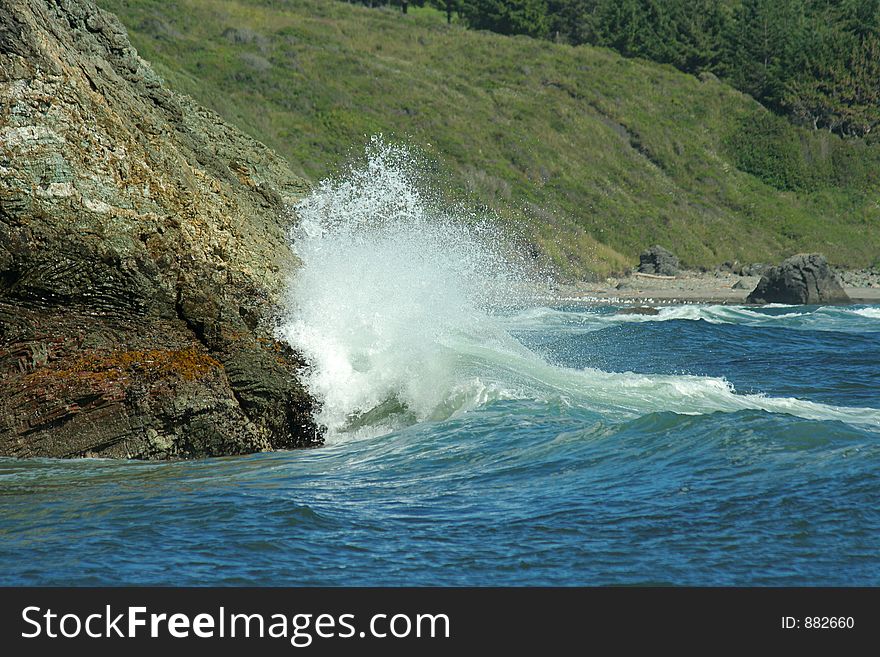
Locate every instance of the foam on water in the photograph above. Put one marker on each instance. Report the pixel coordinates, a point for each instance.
(388, 287)
(872, 313)
(827, 318)
(396, 309)
(822, 318)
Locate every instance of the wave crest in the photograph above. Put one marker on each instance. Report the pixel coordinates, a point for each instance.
(396, 307)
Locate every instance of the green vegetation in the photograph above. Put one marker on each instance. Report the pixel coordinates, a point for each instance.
(507, 16)
(814, 60)
(598, 155)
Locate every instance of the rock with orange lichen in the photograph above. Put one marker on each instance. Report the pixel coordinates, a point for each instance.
(142, 246)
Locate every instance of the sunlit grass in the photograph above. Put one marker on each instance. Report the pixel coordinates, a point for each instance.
(601, 156)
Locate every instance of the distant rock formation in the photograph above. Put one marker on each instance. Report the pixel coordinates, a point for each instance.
(729, 267)
(658, 260)
(141, 248)
(868, 277)
(735, 267)
(755, 269)
(802, 279)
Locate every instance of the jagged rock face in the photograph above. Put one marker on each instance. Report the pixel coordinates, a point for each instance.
(658, 260)
(801, 279)
(141, 248)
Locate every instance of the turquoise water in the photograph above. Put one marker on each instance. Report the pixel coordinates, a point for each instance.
(561, 486)
(476, 436)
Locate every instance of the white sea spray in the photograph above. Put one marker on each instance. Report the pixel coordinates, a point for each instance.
(398, 308)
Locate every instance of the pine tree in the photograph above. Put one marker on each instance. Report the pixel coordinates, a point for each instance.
(448, 6)
(764, 42)
(508, 16)
(853, 90)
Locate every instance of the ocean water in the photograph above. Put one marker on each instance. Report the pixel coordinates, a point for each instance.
(477, 435)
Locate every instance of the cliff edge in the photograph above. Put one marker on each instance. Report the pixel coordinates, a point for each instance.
(142, 247)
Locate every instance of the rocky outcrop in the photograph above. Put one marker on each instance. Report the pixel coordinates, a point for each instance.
(734, 267)
(801, 279)
(658, 260)
(754, 269)
(142, 247)
(862, 278)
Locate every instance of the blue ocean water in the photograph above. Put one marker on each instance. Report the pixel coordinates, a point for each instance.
(547, 489)
(477, 435)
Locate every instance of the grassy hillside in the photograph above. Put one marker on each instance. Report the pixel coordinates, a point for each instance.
(602, 155)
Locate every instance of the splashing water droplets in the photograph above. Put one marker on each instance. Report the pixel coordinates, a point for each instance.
(395, 307)
(389, 280)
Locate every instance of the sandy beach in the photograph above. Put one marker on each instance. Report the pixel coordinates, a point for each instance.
(687, 287)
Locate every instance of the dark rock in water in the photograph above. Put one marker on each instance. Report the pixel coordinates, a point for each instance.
(142, 247)
(804, 278)
(392, 409)
(658, 260)
(641, 310)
